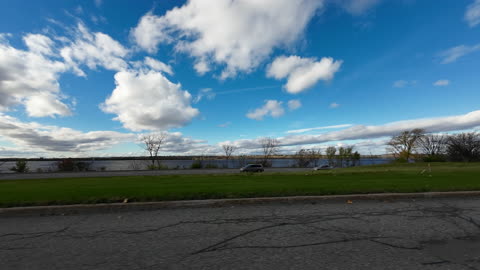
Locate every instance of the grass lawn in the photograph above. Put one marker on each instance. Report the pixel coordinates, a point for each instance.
(367, 179)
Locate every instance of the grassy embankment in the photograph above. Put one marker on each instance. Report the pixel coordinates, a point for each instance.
(368, 179)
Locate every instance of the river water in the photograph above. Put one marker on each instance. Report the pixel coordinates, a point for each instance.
(119, 165)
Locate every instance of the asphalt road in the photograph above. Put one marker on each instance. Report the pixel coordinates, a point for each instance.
(408, 234)
(19, 176)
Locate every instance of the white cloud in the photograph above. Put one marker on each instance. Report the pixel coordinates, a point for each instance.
(302, 73)
(204, 93)
(472, 15)
(453, 54)
(334, 105)
(158, 65)
(201, 67)
(45, 104)
(272, 108)
(238, 34)
(94, 50)
(31, 78)
(441, 83)
(150, 32)
(318, 128)
(34, 137)
(98, 3)
(177, 143)
(31, 138)
(357, 7)
(294, 104)
(360, 132)
(39, 44)
(147, 100)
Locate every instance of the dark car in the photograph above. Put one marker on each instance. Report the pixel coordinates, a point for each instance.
(252, 168)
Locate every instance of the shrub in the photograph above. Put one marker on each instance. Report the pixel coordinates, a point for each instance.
(66, 165)
(211, 166)
(69, 165)
(157, 167)
(21, 166)
(196, 165)
(82, 166)
(434, 158)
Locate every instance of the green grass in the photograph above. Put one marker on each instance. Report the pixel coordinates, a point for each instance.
(368, 179)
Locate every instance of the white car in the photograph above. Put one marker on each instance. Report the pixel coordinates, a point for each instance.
(322, 167)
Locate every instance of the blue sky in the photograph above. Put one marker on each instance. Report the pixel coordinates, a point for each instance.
(80, 78)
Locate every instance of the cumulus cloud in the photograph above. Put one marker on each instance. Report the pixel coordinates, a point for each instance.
(271, 108)
(39, 44)
(294, 104)
(453, 54)
(302, 73)
(472, 15)
(303, 130)
(177, 143)
(147, 100)
(360, 132)
(94, 50)
(239, 34)
(441, 83)
(204, 93)
(30, 78)
(32, 136)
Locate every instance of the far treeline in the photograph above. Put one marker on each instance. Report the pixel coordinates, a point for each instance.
(418, 145)
(269, 149)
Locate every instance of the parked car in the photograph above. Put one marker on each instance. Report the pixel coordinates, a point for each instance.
(322, 167)
(252, 168)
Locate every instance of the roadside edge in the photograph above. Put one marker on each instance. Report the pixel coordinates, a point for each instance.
(148, 206)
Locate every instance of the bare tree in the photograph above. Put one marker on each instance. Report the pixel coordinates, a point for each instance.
(228, 149)
(464, 147)
(403, 144)
(433, 146)
(330, 153)
(152, 144)
(270, 147)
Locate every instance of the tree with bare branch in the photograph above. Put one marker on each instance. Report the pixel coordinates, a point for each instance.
(433, 147)
(152, 144)
(270, 147)
(228, 149)
(464, 147)
(403, 144)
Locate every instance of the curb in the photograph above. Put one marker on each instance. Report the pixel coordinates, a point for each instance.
(149, 206)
